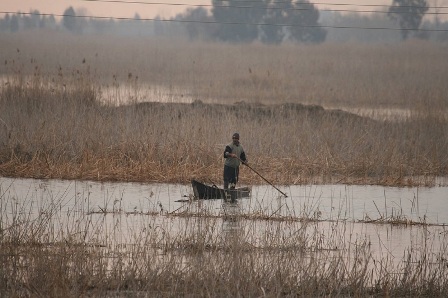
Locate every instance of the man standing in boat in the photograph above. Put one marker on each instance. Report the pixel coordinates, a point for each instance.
(233, 156)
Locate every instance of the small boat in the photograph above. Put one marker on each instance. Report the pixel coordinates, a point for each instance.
(212, 192)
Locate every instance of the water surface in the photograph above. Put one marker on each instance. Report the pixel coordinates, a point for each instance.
(323, 202)
(332, 215)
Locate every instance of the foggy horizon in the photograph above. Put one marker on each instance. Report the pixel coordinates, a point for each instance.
(151, 9)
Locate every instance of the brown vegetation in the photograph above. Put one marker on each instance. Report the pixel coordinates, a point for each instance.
(55, 251)
(59, 116)
(79, 138)
(81, 108)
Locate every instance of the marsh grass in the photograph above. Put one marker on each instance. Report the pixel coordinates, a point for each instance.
(70, 107)
(71, 135)
(74, 252)
(331, 75)
(78, 113)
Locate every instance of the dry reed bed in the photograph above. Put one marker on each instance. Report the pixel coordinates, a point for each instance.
(58, 120)
(54, 124)
(332, 75)
(72, 253)
(70, 134)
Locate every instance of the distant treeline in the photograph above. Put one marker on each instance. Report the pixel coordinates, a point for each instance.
(267, 21)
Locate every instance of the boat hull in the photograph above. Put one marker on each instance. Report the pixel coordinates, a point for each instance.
(206, 192)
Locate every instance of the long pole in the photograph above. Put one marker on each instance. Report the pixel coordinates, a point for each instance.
(262, 177)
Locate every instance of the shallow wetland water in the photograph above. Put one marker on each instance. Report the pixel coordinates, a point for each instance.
(390, 220)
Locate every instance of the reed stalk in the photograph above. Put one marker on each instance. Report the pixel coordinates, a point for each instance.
(307, 114)
(55, 251)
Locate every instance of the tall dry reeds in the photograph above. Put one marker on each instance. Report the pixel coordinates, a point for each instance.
(71, 134)
(58, 251)
(331, 75)
(78, 113)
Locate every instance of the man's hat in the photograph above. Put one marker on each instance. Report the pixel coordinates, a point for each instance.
(236, 136)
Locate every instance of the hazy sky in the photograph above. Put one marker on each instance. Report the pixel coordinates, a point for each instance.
(119, 9)
(98, 8)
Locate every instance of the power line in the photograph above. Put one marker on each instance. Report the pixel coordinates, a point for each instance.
(223, 23)
(274, 2)
(282, 8)
(331, 4)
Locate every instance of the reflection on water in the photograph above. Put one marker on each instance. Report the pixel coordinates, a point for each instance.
(231, 217)
(389, 114)
(128, 94)
(319, 202)
(322, 217)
